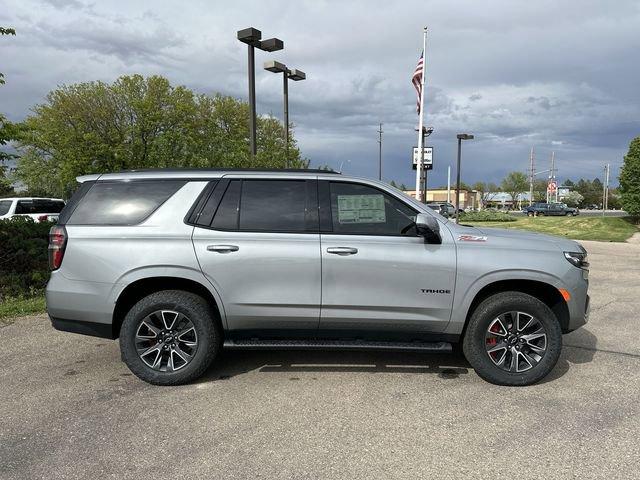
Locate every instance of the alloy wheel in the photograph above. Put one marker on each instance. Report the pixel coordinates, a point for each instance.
(166, 340)
(516, 341)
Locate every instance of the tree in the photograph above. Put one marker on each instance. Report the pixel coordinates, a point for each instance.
(139, 122)
(514, 184)
(540, 190)
(7, 131)
(5, 31)
(630, 179)
(573, 198)
(487, 192)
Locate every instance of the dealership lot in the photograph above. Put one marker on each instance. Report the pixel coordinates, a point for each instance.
(71, 409)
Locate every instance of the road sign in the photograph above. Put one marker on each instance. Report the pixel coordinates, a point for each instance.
(552, 186)
(428, 158)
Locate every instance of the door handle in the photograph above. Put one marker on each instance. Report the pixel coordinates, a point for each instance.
(342, 250)
(223, 248)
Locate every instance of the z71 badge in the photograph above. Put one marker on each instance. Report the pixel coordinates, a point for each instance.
(472, 238)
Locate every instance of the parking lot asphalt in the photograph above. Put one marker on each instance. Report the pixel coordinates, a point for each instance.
(70, 409)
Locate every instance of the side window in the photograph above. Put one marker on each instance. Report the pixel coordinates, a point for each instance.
(122, 203)
(226, 217)
(273, 205)
(5, 205)
(364, 210)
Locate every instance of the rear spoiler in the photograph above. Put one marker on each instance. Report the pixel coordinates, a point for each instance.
(88, 178)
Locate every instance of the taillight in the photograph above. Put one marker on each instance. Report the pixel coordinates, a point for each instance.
(43, 218)
(57, 243)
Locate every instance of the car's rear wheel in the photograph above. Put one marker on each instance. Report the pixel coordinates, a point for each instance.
(170, 337)
(512, 339)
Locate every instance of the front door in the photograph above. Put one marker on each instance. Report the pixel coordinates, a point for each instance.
(380, 280)
(258, 244)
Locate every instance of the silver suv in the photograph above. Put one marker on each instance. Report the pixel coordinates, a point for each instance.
(181, 263)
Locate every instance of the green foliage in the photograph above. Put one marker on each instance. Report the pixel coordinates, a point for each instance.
(573, 199)
(630, 179)
(7, 133)
(514, 184)
(24, 269)
(12, 307)
(487, 216)
(591, 191)
(5, 31)
(139, 122)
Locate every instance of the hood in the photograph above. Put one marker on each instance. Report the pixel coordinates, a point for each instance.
(513, 234)
(519, 238)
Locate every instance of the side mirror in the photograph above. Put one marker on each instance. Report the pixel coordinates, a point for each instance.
(429, 228)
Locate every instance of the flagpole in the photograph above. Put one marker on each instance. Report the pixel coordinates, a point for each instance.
(421, 121)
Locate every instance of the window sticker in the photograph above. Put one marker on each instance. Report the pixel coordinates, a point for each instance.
(361, 209)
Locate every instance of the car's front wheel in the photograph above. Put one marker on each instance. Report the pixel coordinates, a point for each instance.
(170, 337)
(512, 339)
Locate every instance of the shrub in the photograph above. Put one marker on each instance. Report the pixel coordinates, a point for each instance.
(24, 269)
(487, 216)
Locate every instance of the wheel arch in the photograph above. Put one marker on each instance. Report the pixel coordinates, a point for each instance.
(543, 291)
(142, 287)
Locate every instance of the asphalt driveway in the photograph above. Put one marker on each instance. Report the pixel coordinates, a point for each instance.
(70, 409)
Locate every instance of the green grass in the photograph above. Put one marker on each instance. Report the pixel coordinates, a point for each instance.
(13, 307)
(604, 229)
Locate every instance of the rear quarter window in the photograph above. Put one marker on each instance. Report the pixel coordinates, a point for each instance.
(5, 206)
(122, 203)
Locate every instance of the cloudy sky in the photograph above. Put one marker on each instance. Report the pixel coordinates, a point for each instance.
(562, 76)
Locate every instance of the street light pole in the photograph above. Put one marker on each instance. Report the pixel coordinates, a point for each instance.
(285, 94)
(252, 102)
(460, 136)
(295, 75)
(251, 36)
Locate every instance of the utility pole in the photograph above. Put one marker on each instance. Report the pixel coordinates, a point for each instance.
(605, 189)
(380, 152)
(532, 174)
(449, 184)
(552, 176)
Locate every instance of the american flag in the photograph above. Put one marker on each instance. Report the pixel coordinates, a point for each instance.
(416, 79)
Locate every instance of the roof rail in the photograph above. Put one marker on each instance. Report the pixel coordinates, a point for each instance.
(290, 170)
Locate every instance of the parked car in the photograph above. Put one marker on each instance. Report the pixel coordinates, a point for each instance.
(181, 263)
(551, 209)
(40, 209)
(570, 210)
(593, 206)
(443, 208)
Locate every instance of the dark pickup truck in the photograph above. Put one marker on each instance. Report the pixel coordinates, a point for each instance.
(557, 209)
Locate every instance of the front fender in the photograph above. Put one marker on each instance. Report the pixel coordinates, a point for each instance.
(468, 288)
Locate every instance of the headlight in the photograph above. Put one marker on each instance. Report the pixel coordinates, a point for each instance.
(577, 259)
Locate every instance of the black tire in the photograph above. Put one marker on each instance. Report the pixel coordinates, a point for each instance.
(475, 339)
(202, 318)
(530, 214)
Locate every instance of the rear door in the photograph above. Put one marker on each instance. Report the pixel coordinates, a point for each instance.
(380, 280)
(257, 242)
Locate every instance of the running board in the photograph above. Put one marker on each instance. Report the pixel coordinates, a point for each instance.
(439, 347)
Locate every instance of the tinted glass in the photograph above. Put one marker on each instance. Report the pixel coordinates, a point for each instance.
(5, 206)
(122, 203)
(273, 205)
(39, 206)
(226, 217)
(360, 209)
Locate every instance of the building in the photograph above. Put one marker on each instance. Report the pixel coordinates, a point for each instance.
(468, 198)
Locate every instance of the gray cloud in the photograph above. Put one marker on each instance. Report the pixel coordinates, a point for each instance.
(514, 74)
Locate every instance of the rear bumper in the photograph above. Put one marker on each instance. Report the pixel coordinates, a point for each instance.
(93, 329)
